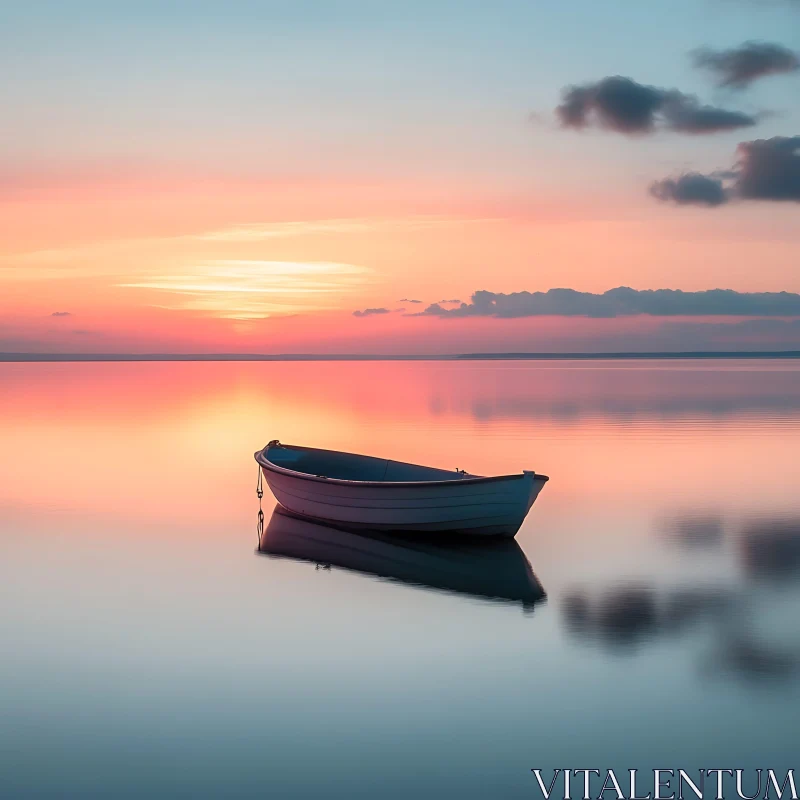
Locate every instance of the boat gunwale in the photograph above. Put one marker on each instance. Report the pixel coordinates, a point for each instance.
(264, 462)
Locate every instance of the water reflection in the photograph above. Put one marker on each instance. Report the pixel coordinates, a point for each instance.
(625, 616)
(492, 569)
(746, 625)
(770, 549)
(696, 531)
(656, 390)
(667, 543)
(753, 661)
(629, 614)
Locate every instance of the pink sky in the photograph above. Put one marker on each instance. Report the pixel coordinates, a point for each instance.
(197, 190)
(152, 262)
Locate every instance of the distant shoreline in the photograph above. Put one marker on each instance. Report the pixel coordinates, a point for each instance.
(122, 357)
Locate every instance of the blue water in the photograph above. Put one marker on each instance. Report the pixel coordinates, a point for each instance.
(150, 650)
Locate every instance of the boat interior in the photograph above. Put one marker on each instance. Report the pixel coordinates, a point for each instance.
(351, 467)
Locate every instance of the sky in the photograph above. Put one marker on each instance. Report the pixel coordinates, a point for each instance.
(415, 177)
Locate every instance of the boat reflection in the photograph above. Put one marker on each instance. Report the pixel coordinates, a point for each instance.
(491, 569)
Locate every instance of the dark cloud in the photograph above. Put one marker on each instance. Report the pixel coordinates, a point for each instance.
(767, 169)
(624, 301)
(369, 312)
(692, 188)
(406, 300)
(621, 104)
(738, 67)
(61, 314)
(686, 115)
(618, 103)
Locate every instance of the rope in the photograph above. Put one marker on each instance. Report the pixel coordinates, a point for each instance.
(260, 494)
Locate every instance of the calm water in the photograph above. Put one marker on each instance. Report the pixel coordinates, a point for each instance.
(149, 650)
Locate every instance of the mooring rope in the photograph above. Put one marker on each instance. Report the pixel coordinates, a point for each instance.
(260, 494)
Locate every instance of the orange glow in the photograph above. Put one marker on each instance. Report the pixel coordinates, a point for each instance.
(148, 260)
(84, 436)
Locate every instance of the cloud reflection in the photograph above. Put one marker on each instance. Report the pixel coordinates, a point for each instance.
(754, 661)
(696, 531)
(630, 614)
(733, 619)
(659, 391)
(770, 549)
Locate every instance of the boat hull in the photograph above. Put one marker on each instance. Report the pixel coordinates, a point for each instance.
(478, 506)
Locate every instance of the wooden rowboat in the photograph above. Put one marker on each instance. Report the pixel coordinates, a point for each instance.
(362, 492)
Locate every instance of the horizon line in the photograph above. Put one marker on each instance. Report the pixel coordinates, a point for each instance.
(510, 356)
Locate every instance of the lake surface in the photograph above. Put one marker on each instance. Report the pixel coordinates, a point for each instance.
(150, 650)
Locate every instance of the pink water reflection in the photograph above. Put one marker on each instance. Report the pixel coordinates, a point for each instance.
(176, 440)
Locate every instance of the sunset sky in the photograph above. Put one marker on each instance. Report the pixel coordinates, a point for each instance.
(344, 176)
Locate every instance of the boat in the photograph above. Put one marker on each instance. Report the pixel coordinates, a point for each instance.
(493, 569)
(378, 494)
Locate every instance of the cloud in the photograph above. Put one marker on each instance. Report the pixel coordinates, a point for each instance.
(406, 300)
(624, 301)
(61, 314)
(767, 169)
(618, 103)
(369, 312)
(261, 231)
(686, 115)
(692, 188)
(739, 66)
(622, 105)
(253, 288)
(449, 302)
